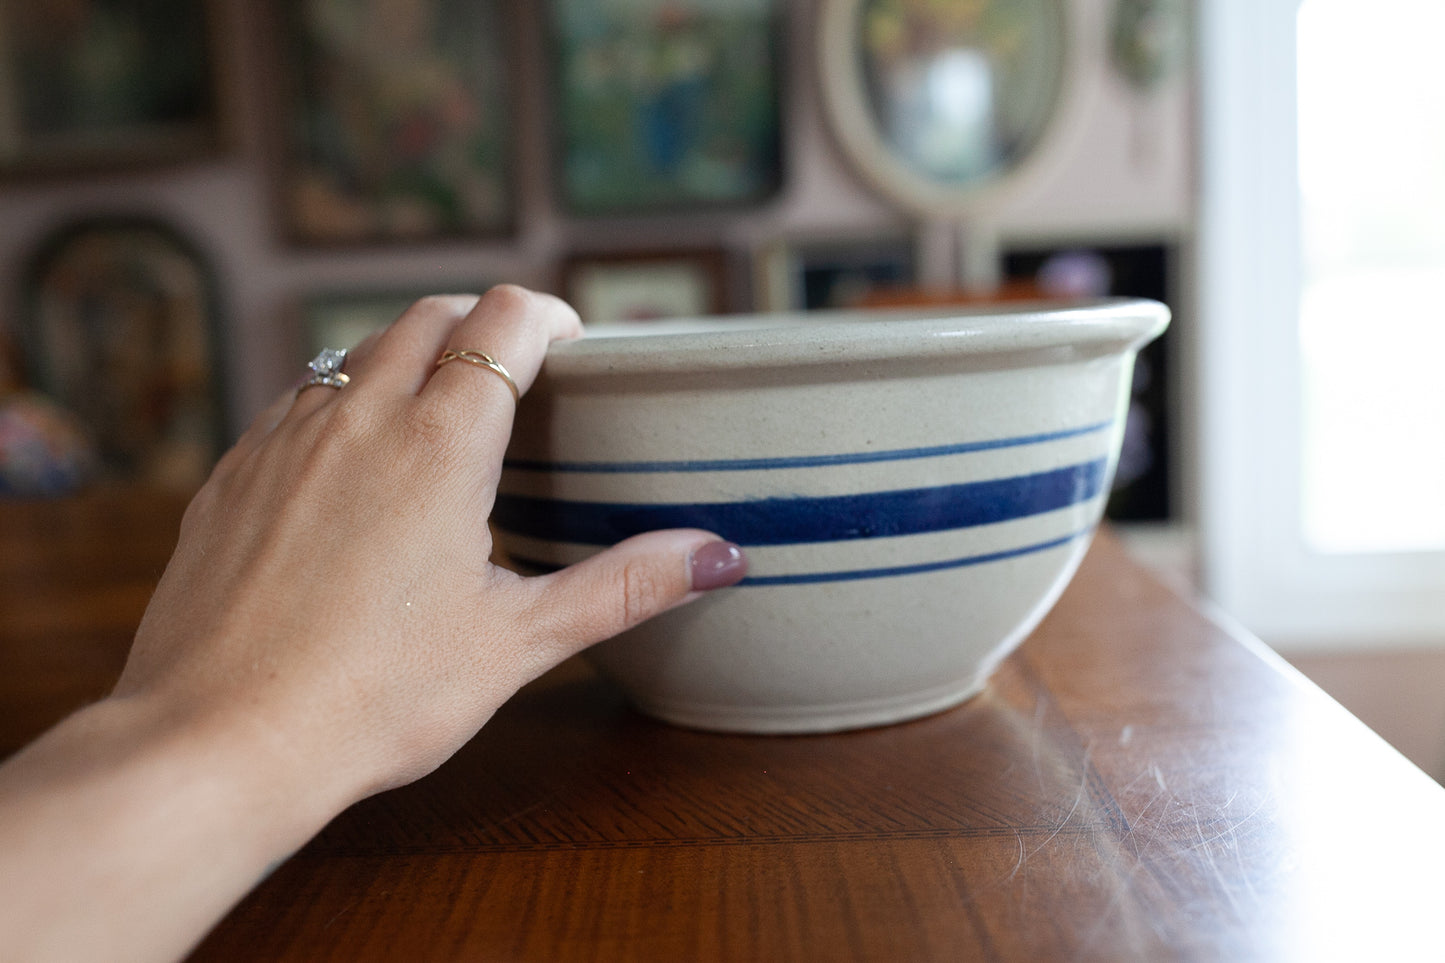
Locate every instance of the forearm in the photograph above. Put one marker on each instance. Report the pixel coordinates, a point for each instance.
(126, 832)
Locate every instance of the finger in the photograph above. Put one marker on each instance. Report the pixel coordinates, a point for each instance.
(402, 358)
(256, 432)
(265, 423)
(514, 326)
(393, 362)
(273, 414)
(629, 583)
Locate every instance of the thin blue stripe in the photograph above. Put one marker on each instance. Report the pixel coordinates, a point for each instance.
(797, 461)
(828, 518)
(816, 578)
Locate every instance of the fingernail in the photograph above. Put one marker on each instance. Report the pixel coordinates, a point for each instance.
(716, 565)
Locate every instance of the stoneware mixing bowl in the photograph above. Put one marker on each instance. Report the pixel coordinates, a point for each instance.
(913, 491)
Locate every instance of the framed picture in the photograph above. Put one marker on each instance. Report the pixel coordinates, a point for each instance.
(833, 272)
(105, 83)
(646, 286)
(665, 104)
(1143, 483)
(941, 105)
(120, 325)
(341, 319)
(397, 120)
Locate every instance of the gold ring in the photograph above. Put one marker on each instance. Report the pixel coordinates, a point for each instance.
(482, 360)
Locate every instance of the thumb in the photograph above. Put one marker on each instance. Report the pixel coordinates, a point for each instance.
(631, 582)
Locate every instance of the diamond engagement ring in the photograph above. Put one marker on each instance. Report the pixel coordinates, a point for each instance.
(326, 370)
(482, 360)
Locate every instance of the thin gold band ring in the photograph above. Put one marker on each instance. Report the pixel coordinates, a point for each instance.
(482, 360)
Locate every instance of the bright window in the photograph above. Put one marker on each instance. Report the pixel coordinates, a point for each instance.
(1372, 311)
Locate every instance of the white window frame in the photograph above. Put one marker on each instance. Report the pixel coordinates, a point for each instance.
(1254, 561)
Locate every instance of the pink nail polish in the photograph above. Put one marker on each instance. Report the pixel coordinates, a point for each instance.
(716, 565)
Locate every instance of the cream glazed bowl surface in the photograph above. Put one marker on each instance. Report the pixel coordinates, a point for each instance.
(913, 490)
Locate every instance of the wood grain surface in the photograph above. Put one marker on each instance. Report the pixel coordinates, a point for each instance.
(1138, 782)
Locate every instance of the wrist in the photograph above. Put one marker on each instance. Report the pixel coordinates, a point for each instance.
(157, 819)
(233, 767)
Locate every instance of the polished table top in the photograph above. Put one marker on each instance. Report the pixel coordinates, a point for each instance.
(1139, 781)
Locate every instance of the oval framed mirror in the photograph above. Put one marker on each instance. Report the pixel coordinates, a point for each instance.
(942, 105)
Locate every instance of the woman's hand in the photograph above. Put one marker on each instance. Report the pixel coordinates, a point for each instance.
(330, 625)
(332, 577)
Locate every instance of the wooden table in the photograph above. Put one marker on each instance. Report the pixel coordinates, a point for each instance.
(1138, 782)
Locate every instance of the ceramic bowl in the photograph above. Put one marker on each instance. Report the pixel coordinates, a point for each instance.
(914, 490)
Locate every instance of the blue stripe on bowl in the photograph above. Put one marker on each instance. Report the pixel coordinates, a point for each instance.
(797, 461)
(813, 578)
(850, 575)
(791, 521)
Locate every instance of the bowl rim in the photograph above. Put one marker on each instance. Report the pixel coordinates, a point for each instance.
(725, 342)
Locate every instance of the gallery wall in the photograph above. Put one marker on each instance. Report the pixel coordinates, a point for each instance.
(1121, 173)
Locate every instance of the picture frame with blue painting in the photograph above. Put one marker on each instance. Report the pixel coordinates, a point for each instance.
(833, 271)
(665, 105)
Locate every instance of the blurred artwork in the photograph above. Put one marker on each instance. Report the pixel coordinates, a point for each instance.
(666, 104)
(834, 272)
(399, 121)
(1143, 479)
(1150, 40)
(120, 330)
(343, 319)
(87, 83)
(649, 286)
(962, 91)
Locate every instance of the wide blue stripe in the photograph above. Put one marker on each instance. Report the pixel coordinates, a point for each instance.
(796, 461)
(850, 575)
(827, 518)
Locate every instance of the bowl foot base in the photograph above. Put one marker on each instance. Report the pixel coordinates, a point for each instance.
(803, 720)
